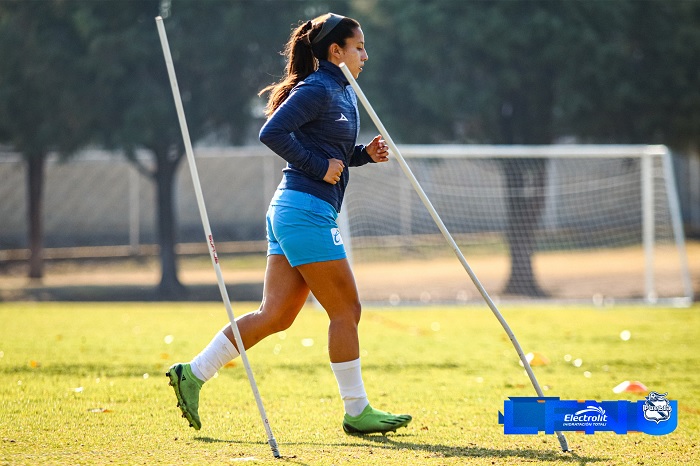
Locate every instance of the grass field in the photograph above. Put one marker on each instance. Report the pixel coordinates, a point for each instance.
(84, 384)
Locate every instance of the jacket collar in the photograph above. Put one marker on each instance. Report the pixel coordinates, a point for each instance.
(334, 70)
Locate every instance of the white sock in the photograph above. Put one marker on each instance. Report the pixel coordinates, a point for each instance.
(212, 358)
(352, 389)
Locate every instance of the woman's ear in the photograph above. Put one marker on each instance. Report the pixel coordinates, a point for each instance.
(336, 50)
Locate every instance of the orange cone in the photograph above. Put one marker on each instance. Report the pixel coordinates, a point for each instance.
(634, 386)
(537, 359)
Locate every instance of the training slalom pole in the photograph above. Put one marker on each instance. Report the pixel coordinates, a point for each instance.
(433, 213)
(207, 231)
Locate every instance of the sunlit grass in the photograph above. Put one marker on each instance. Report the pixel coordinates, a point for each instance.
(84, 384)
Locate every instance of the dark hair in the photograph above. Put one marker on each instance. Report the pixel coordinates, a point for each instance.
(302, 55)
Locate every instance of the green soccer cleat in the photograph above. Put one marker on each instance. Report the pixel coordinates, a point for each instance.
(187, 388)
(373, 421)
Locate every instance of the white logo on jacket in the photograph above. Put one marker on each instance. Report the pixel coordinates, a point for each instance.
(342, 118)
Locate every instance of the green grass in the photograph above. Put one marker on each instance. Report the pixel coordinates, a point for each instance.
(84, 384)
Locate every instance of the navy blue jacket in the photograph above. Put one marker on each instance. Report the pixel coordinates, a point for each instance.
(318, 121)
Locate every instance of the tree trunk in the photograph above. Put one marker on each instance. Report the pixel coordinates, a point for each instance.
(170, 287)
(525, 184)
(35, 188)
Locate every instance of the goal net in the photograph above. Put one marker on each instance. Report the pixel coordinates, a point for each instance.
(586, 223)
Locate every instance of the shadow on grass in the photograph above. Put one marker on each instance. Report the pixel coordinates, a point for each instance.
(473, 451)
(289, 459)
(444, 451)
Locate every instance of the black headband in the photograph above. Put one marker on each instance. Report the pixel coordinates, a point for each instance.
(328, 25)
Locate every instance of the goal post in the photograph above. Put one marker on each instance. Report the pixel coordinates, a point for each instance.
(567, 222)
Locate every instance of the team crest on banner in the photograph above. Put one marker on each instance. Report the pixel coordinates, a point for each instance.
(657, 408)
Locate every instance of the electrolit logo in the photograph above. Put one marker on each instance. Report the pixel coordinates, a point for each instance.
(591, 416)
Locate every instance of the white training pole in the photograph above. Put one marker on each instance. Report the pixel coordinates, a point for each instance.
(207, 231)
(433, 213)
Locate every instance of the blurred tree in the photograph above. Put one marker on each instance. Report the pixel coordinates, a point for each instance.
(76, 72)
(680, 100)
(440, 71)
(529, 73)
(482, 72)
(134, 110)
(223, 52)
(134, 105)
(636, 79)
(42, 73)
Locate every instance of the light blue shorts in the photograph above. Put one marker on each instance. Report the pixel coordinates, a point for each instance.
(303, 228)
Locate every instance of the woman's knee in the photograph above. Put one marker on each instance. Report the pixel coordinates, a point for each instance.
(349, 314)
(277, 319)
(283, 322)
(357, 311)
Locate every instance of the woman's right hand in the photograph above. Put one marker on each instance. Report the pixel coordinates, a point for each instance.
(335, 169)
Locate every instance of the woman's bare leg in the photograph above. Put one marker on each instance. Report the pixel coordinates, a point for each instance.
(284, 294)
(333, 284)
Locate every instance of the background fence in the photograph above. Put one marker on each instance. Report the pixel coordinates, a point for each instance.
(100, 199)
(98, 205)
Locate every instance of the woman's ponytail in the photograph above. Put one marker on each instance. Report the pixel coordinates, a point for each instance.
(300, 63)
(308, 43)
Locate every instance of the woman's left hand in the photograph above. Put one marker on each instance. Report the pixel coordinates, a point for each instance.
(378, 149)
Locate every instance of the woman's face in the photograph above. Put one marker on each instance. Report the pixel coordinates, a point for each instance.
(353, 54)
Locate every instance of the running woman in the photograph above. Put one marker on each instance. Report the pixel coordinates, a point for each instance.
(313, 124)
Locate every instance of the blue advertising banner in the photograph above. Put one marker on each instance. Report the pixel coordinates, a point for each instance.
(655, 415)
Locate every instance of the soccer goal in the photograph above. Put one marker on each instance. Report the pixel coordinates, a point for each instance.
(589, 223)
